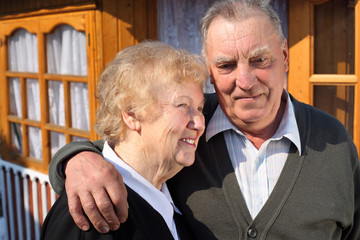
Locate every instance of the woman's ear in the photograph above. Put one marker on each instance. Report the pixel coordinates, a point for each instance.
(131, 120)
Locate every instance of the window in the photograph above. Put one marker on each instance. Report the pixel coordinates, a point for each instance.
(47, 84)
(324, 58)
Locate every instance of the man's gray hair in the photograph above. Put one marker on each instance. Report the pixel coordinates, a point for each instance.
(233, 10)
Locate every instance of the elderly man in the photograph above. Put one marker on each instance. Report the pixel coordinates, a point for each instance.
(268, 167)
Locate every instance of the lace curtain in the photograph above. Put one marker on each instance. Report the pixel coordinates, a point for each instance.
(23, 57)
(66, 54)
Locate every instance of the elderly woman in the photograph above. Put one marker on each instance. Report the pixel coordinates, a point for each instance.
(150, 116)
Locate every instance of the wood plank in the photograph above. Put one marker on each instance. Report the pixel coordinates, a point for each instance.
(44, 100)
(340, 36)
(299, 50)
(23, 96)
(110, 31)
(76, 20)
(21, 74)
(126, 23)
(11, 26)
(78, 132)
(55, 127)
(140, 20)
(13, 118)
(65, 78)
(152, 19)
(99, 61)
(4, 91)
(356, 136)
(333, 79)
(323, 42)
(40, 12)
(91, 50)
(67, 104)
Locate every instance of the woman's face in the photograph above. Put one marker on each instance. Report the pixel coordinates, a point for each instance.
(171, 139)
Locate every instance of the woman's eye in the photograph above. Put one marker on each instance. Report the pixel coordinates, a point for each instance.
(182, 105)
(200, 109)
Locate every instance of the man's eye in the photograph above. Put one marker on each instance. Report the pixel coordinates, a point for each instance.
(200, 109)
(259, 60)
(225, 66)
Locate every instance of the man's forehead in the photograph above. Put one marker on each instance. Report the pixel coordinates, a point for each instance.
(234, 54)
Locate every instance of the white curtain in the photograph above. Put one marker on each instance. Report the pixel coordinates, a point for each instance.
(23, 57)
(66, 54)
(178, 25)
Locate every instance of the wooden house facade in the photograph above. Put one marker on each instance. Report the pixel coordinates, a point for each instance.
(52, 53)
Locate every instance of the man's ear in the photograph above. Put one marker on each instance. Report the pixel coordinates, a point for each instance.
(285, 51)
(211, 76)
(207, 64)
(131, 120)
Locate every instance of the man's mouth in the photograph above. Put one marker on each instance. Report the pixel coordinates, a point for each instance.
(252, 97)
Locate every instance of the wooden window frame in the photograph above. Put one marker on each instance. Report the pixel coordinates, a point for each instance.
(42, 25)
(301, 78)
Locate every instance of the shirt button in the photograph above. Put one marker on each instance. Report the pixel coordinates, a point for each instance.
(252, 232)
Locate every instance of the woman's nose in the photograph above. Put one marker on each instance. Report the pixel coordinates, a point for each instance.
(197, 122)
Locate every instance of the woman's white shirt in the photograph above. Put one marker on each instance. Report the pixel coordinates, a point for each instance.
(161, 201)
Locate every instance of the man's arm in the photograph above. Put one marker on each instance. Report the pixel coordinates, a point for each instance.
(355, 231)
(93, 185)
(56, 167)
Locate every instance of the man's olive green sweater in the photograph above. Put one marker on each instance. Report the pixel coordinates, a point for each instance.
(316, 197)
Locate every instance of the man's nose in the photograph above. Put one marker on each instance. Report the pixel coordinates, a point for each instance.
(245, 78)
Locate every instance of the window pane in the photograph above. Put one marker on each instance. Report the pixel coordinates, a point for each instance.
(33, 99)
(57, 141)
(334, 38)
(76, 139)
(15, 97)
(35, 142)
(337, 101)
(23, 52)
(66, 54)
(66, 51)
(16, 137)
(79, 106)
(56, 102)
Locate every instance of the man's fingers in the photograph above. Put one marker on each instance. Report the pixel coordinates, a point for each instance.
(77, 213)
(118, 195)
(99, 188)
(92, 212)
(106, 208)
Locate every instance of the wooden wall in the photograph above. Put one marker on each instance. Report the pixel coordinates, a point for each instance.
(110, 26)
(25, 6)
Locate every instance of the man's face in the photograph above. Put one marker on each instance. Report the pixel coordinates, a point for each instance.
(247, 65)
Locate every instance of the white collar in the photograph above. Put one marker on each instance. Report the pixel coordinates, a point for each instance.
(161, 201)
(288, 126)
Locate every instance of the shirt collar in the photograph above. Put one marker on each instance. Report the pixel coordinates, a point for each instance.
(161, 201)
(288, 126)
